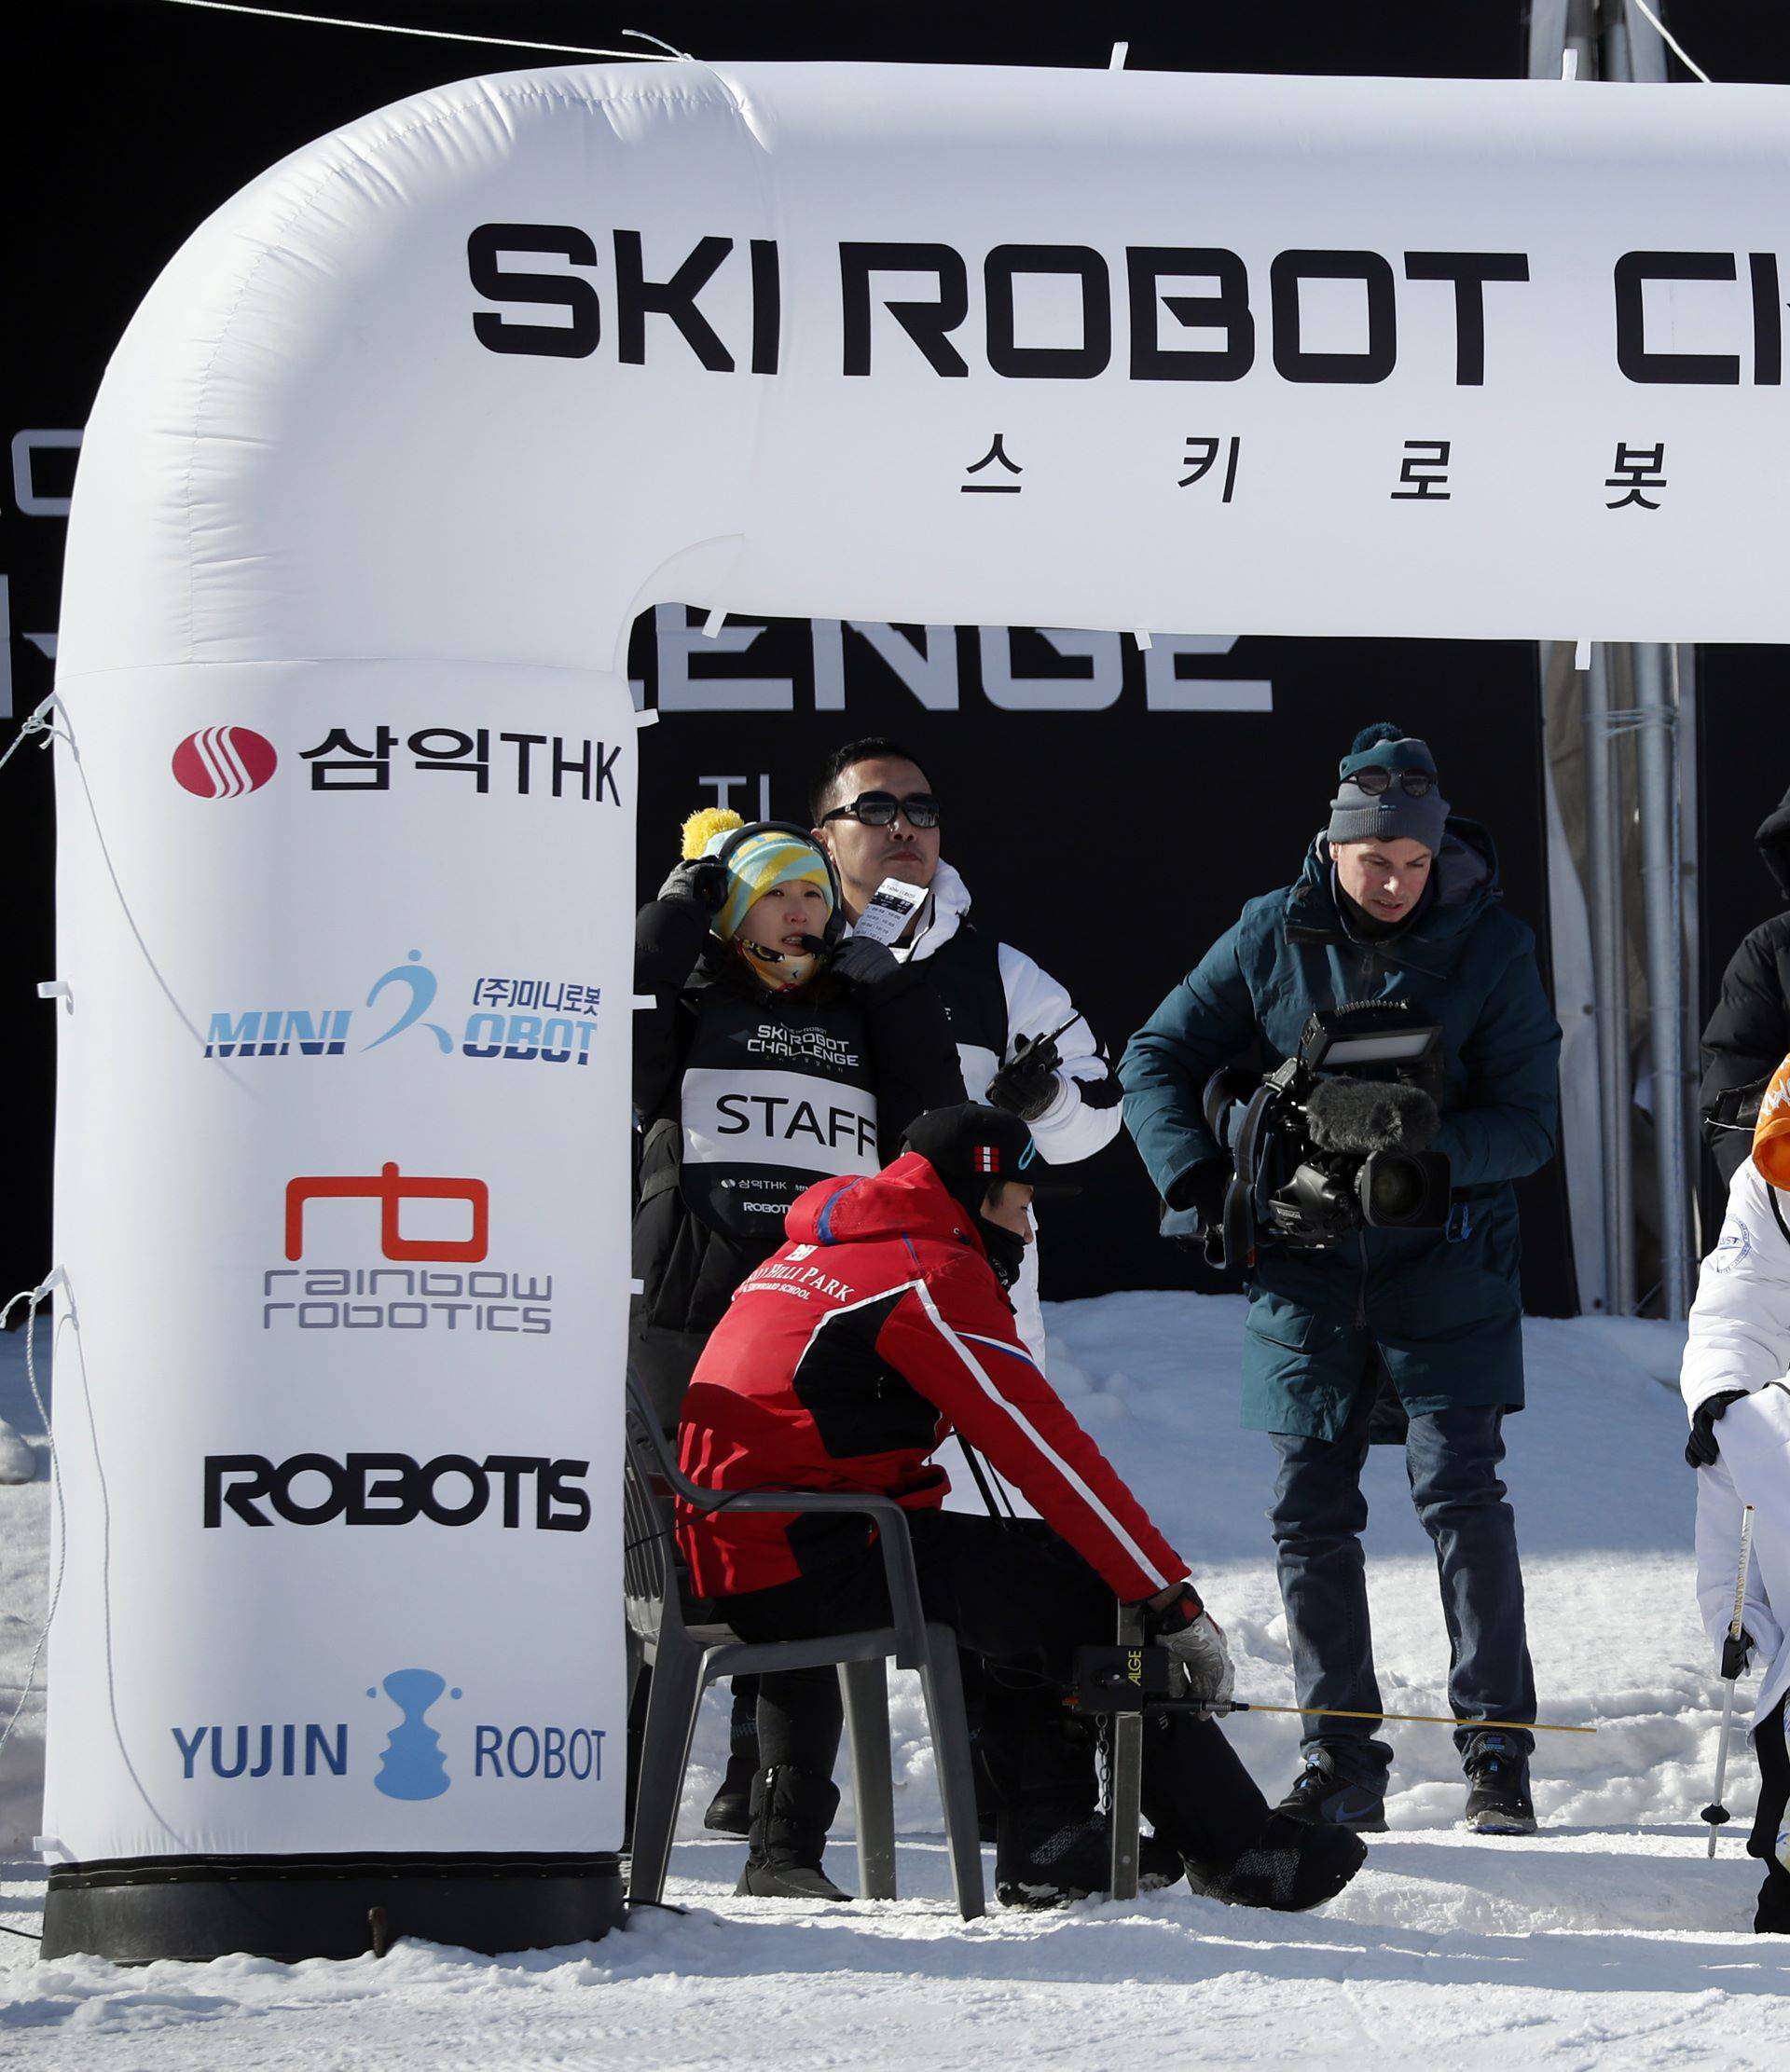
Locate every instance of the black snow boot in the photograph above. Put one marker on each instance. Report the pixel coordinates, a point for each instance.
(1773, 1916)
(1292, 1864)
(730, 1811)
(1769, 1840)
(792, 1812)
(1049, 1854)
(1497, 1776)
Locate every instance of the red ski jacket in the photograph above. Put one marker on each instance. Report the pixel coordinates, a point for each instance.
(849, 1357)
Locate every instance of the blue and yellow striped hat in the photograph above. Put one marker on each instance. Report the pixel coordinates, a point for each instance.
(759, 858)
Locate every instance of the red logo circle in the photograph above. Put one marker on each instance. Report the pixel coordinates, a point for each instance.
(223, 762)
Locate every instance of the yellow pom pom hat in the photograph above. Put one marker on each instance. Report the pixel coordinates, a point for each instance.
(759, 858)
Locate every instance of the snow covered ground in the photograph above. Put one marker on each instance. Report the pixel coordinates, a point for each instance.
(1609, 1940)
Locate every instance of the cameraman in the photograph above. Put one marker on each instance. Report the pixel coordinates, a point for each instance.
(1397, 900)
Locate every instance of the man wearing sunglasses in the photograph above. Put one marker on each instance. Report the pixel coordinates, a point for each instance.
(1023, 1046)
(1411, 1335)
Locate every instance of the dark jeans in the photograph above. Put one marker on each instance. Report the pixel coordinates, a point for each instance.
(1452, 1458)
(1020, 1600)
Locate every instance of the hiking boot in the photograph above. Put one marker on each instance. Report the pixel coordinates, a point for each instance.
(1322, 1800)
(1047, 1857)
(1293, 1863)
(1498, 1798)
(791, 1814)
(730, 1811)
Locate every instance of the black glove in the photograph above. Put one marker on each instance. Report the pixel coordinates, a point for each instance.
(1202, 1188)
(864, 961)
(700, 882)
(1196, 1641)
(1700, 1449)
(1735, 1649)
(1027, 1083)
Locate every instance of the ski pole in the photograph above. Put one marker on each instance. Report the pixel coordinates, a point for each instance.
(1132, 1679)
(1715, 1813)
(1407, 1719)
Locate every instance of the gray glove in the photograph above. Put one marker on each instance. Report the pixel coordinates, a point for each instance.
(1196, 1641)
(866, 963)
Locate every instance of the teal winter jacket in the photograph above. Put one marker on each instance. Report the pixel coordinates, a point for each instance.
(1440, 1311)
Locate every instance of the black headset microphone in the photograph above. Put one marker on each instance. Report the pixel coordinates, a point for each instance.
(822, 945)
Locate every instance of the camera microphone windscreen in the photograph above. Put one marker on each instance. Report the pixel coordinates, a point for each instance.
(1364, 1116)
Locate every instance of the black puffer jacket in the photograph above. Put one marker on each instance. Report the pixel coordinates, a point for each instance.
(745, 1097)
(1749, 1033)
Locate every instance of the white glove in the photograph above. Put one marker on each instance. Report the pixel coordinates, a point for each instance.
(1196, 1641)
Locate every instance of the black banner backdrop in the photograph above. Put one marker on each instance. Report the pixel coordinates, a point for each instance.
(1110, 809)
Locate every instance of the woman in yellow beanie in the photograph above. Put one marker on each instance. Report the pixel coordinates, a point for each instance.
(772, 1056)
(768, 1060)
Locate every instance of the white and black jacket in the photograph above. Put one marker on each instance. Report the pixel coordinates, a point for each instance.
(1739, 1338)
(993, 995)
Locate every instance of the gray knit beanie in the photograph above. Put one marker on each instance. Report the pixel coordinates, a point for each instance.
(1392, 815)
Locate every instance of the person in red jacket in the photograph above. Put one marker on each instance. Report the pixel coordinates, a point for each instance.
(843, 1363)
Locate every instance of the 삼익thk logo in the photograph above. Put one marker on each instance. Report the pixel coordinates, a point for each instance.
(223, 762)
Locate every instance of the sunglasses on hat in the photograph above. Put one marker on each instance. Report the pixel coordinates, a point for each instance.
(1415, 784)
(877, 809)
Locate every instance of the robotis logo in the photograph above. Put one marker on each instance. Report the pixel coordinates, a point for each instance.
(223, 762)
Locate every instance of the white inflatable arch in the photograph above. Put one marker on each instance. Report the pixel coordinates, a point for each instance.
(381, 476)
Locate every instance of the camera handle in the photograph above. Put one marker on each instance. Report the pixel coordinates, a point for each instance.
(1236, 1246)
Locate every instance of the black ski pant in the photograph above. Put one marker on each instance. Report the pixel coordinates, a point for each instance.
(1773, 1915)
(1020, 1600)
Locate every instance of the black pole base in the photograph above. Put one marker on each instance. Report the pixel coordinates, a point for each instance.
(136, 1910)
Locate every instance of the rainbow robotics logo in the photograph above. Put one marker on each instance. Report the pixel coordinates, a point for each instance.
(223, 762)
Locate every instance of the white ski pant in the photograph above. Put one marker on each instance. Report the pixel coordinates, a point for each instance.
(1754, 1468)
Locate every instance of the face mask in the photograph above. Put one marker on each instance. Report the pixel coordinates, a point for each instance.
(1006, 1250)
(781, 970)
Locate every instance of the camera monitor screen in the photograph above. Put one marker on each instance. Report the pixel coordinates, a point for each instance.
(1386, 1047)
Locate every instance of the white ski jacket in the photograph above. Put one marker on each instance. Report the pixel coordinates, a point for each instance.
(1070, 1128)
(1739, 1338)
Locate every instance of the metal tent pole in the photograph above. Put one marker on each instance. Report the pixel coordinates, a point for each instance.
(1580, 35)
(1633, 50)
(1645, 49)
(1690, 893)
(1609, 984)
(1564, 45)
(1657, 787)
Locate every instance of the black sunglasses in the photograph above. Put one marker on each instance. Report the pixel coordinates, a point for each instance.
(1416, 784)
(877, 809)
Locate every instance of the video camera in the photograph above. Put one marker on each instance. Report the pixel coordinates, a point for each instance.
(1336, 1139)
